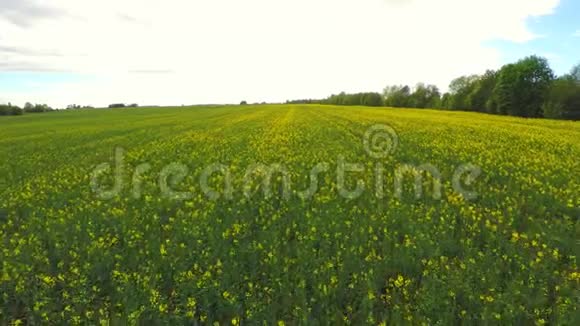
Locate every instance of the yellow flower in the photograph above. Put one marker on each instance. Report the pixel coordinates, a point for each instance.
(162, 250)
(333, 280)
(400, 281)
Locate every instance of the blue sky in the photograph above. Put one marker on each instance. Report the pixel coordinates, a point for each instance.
(16, 81)
(223, 51)
(558, 40)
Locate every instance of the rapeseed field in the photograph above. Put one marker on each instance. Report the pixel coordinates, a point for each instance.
(288, 215)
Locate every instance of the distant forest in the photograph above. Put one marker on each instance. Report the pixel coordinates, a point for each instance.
(9, 109)
(527, 88)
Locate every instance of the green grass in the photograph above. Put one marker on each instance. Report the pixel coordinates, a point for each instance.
(509, 255)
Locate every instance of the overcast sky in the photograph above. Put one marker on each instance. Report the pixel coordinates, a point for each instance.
(175, 52)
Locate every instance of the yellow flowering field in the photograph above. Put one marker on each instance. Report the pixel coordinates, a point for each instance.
(288, 215)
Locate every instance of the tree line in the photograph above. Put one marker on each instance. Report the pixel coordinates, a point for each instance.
(122, 105)
(9, 109)
(422, 96)
(526, 88)
(365, 99)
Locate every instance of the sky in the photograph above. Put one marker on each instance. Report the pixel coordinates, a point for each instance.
(182, 52)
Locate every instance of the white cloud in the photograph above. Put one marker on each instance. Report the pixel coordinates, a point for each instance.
(577, 33)
(178, 51)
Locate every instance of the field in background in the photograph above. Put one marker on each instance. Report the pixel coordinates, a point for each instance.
(499, 247)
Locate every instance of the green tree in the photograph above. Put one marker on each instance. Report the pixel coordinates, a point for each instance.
(523, 87)
(36, 108)
(367, 99)
(563, 101)
(481, 92)
(397, 96)
(372, 99)
(446, 101)
(425, 96)
(9, 109)
(459, 90)
(575, 72)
